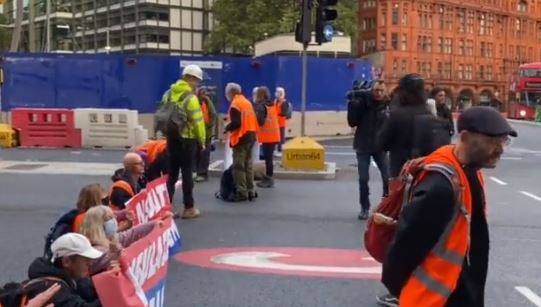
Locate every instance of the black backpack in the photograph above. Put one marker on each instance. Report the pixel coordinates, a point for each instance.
(170, 119)
(61, 227)
(227, 186)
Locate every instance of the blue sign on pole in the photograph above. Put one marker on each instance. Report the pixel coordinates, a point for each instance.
(328, 32)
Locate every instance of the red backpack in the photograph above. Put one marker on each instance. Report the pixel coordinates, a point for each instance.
(381, 226)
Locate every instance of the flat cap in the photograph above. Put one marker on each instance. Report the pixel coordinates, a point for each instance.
(486, 121)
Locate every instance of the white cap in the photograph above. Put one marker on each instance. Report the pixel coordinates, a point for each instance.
(72, 244)
(194, 71)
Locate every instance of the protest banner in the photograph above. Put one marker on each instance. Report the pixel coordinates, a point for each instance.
(143, 269)
(151, 203)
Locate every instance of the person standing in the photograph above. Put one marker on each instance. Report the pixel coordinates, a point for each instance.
(268, 134)
(367, 113)
(182, 148)
(282, 107)
(443, 111)
(242, 129)
(210, 118)
(440, 252)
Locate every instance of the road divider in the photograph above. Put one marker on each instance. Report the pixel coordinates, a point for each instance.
(530, 295)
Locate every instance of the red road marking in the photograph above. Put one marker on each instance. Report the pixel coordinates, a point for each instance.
(292, 261)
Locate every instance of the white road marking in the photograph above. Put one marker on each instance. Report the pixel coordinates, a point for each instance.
(336, 153)
(58, 168)
(530, 295)
(498, 181)
(530, 195)
(512, 158)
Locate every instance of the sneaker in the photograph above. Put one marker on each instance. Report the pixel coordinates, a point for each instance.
(200, 179)
(387, 300)
(239, 198)
(191, 213)
(363, 215)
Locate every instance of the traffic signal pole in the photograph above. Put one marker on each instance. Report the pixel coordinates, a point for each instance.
(303, 88)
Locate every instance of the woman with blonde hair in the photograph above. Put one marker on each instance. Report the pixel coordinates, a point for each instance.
(101, 229)
(93, 195)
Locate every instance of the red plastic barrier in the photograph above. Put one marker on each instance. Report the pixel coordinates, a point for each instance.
(46, 127)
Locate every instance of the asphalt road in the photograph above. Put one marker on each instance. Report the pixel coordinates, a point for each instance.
(302, 214)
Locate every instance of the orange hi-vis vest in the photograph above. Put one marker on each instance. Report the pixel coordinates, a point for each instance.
(248, 119)
(269, 133)
(282, 120)
(123, 185)
(152, 149)
(432, 283)
(205, 110)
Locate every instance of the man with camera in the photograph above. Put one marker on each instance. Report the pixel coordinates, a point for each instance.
(368, 107)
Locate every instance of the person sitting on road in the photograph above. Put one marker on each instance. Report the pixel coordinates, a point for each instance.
(101, 228)
(155, 156)
(127, 181)
(94, 195)
(72, 254)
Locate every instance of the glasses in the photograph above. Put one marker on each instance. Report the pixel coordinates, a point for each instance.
(500, 140)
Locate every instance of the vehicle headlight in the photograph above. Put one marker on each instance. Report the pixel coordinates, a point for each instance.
(522, 113)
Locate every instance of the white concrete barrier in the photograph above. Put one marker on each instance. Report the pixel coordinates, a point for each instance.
(111, 128)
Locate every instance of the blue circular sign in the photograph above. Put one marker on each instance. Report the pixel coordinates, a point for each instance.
(328, 32)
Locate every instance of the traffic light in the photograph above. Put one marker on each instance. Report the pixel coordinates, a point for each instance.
(325, 15)
(303, 30)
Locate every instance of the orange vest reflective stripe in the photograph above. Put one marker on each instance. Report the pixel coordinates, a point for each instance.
(282, 120)
(205, 110)
(270, 132)
(152, 149)
(432, 283)
(123, 185)
(248, 120)
(78, 221)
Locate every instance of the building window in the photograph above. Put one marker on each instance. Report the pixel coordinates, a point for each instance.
(383, 41)
(468, 74)
(483, 24)
(404, 17)
(404, 66)
(489, 73)
(490, 24)
(394, 41)
(460, 72)
(383, 18)
(461, 46)
(394, 13)
(448, 48)
(441, 17)
(440, 44)
(449, 18)
(447, 70)
(469, 47)
(462, 21)
(490, 50)
(483, 49)
(522, 6)
(482, 72)
(395, 68)
(470, 21)
(404, 46)
(369, 46)
(440, 70)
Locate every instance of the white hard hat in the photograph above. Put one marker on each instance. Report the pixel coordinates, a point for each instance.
(194, 71)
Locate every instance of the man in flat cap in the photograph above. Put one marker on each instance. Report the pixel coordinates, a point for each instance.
(440, 252)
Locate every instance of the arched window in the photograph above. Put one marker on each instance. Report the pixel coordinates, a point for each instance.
(522, 6)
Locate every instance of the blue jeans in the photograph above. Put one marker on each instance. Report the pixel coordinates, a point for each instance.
(363, 168)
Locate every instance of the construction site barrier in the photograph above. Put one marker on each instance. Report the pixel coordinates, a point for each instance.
(111, 128)
(46, 127)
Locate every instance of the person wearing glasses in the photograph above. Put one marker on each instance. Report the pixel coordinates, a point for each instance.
(127, 181)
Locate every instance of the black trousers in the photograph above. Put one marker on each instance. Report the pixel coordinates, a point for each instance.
(181, 160)
(267, 153)
(203, 160)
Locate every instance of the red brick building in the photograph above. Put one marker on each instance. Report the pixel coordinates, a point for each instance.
(471, 48)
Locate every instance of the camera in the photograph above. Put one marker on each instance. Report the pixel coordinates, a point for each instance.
(358, 90)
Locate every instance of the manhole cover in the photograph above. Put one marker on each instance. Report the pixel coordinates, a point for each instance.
(25, 167)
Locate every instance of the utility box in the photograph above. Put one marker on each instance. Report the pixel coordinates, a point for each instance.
(303, 154)
(8, 136)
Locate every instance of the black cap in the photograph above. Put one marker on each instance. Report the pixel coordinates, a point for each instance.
(486, 121)
(411, 80)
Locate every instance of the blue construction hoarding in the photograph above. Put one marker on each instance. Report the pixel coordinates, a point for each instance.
(138, 81)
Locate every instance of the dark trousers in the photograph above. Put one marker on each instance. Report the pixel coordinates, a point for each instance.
(243, 168)
(282, 138)
(181, 160)
(158, 167)
(363, 168)
(203, 160)
(268, 152)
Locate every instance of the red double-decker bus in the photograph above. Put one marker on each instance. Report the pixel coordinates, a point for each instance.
(525, 93)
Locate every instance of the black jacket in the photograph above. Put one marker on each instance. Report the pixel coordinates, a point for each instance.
(420, 226)
(445, 113)
(72, 293)
(368, 117)
(397, 135)
(118, 196)
(235, 123)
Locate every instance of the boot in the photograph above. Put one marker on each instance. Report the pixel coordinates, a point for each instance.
(267, 182)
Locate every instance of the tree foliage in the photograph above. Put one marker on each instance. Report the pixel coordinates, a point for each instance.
(5, 34)
(239, 24)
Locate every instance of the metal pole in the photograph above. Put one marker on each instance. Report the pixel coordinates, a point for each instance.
(48, 25)
(31, 29)
(16, 38)
(303, 88)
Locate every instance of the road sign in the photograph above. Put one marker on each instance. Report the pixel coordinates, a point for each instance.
(293, 261)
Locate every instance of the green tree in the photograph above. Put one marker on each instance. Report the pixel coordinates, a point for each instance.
(239, 24)
(5, 34)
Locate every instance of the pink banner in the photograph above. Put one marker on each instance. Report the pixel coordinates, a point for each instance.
(151, 203)
(143, 269)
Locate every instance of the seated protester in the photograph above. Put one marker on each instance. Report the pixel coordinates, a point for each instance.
(71, 257)
(93, 195)
(127, 181)
(154, 155)
(101, 228)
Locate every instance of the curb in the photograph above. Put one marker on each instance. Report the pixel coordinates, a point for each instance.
(526, 122)
(216, 169)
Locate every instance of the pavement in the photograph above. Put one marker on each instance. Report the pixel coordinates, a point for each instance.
(298, 245)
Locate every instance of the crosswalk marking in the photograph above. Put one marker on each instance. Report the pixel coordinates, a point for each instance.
(530, 295)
